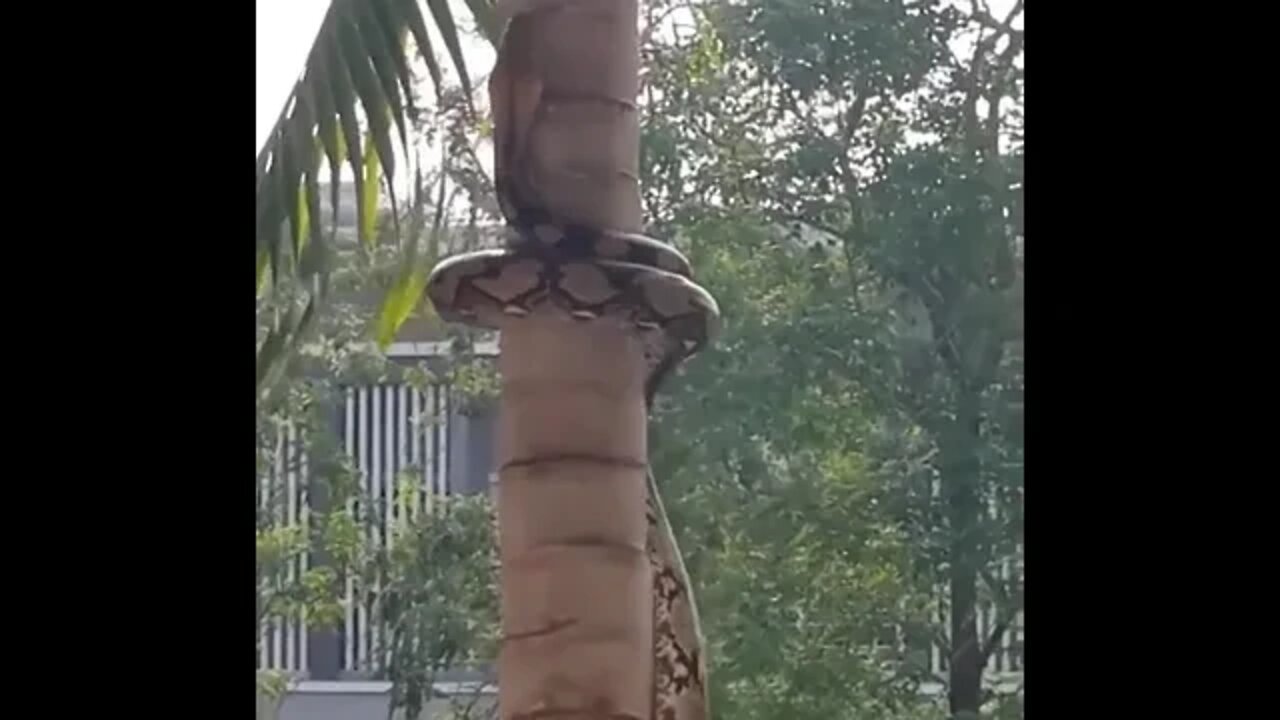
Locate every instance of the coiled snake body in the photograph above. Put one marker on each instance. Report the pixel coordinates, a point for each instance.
(600, 274)
(590, 274)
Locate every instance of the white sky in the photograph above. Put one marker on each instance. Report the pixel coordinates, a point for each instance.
(287, 28)
(285, 31)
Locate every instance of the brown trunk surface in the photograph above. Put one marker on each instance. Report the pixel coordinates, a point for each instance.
(576, 605)
(575, 72)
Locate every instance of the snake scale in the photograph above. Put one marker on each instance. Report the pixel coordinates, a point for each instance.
(590, 274)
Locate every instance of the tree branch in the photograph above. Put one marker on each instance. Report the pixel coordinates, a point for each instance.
(941, 641)
(850, 121)
(997, 588)
(999, 77)
(815, 224)
(1005, 609)
(978, 63)
(993, 640)
(982, 16)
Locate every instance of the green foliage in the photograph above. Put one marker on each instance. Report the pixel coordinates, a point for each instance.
(476, 384)
(438, 595)
(435, 577)
(850, 450)
(357, 85)
(272, 687)
(800, 573)
(846, 177)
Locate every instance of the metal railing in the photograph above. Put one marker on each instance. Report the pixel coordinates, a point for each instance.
(388, 431)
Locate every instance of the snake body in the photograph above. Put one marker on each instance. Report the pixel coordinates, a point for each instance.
(591, 275)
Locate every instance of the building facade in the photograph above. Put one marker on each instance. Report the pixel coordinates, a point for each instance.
(387, 430)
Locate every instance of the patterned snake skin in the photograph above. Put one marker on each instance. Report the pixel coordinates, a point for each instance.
(673, 316)
(589, 274)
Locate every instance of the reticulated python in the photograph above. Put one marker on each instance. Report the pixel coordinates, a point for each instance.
(600, 274)
(590, 274)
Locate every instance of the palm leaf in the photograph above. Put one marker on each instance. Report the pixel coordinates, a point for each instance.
(384, 68)
(349, 122)
(367, 196)
(449, 31)
(356, 84)
(309, 155)
(486, 20)
(281, 341)
(413, 21)
(411, 279)
(392, 37)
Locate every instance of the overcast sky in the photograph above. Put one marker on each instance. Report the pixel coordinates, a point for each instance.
(287, 28)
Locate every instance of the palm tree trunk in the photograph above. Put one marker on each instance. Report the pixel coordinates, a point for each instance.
(576, 603)
(576, 582)
(563, 97)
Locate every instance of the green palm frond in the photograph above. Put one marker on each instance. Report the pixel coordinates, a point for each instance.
(353, 106)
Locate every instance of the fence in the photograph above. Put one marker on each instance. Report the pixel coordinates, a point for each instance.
(388, 431)
(282, 492)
